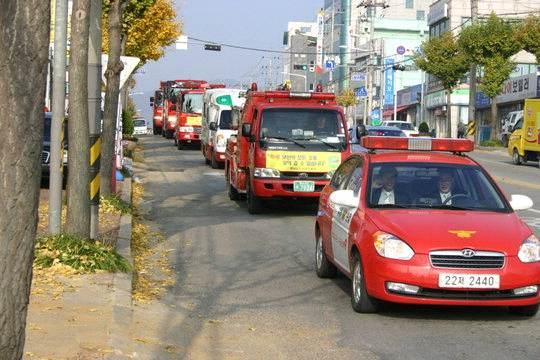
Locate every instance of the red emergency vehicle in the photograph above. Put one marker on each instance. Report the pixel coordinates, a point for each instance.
(287, 147)
(171, 92)
(189, 113)
(414, 220)
(156, 102)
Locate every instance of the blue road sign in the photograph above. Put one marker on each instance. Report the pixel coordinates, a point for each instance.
(361, 91)
(330, 64)
(358, 77)
(376, 117)
(401, 50)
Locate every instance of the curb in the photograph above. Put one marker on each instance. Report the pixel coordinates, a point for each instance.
(122, 284)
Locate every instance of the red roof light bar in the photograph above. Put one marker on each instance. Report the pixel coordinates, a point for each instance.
(417, 144)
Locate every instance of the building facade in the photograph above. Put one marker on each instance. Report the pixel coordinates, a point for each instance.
(299, 62)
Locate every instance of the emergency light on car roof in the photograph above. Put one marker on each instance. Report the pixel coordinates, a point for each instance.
(297, 95)
(417, 143)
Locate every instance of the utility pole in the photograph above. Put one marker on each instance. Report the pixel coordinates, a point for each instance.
(472, 70)
(94, 112)
(58, 115)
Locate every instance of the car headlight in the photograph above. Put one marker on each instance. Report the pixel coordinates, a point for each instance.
(172, 119)
(389, 246)
(529, 251)
(220, 140)
(266, 172)
(186, 129)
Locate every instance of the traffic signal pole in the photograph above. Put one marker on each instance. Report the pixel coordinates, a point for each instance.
(472, 72)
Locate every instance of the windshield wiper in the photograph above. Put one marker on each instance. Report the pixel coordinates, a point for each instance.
(325, 142)
(452, 207)
(286, 139)
(390, 206)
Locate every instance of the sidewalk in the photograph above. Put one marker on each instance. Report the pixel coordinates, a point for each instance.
(81, 316)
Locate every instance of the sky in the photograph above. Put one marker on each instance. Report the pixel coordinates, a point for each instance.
(251, 23)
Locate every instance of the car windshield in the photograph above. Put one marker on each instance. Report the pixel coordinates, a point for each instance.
(193, 103)
(442, 186)
(385, 132)
(139, 123)
(402, 125)
(302, 124)
(225, 120)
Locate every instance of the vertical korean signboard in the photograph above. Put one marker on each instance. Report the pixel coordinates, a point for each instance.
(320, 35)
(388, 82)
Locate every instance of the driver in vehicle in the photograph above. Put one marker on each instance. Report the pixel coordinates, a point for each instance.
(446, 194)
(387, 194)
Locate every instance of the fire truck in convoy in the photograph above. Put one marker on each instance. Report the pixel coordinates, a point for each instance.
(288, 146)
(217, 122)
(156, 102)
(171, 92)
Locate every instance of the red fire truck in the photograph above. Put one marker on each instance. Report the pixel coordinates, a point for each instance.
(288, 146)
(156, 102)
(189, 110)
(171, 92)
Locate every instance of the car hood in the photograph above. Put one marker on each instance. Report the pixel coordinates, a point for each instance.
(428, 230)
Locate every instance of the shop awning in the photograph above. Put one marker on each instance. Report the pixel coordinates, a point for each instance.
(390, 112)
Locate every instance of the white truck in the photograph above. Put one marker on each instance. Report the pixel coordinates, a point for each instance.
(217, 122)
(508, 123)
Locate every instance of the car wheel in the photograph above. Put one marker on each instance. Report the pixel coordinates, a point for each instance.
(254, 203)
(232, 192)
(360, 299)
(213, 162)
(179, 145)
(528, 311)
(324, 268)
(516, 158)
(175, 141)
(154, 131)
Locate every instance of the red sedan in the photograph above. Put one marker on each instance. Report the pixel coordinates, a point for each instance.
(425, 224)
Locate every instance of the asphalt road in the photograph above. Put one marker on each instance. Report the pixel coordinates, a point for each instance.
(246, 286)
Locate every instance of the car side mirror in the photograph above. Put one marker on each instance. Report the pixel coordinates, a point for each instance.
(246, 130)
(361, 132)
(521, 202)
(344, 198)
(212, 126)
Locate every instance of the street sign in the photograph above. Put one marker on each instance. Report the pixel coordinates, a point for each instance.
(376, 117)
(330, 65)
(401, 50)
(358, 77)
(361, 91)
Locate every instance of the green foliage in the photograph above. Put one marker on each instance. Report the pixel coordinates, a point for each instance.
(488, 39)
(127, 122)
(113, 204)
(491, 143)
(496, 71)
(442, 58)
(423, 128)
(79, 254)
(528, 35)
(346, 98)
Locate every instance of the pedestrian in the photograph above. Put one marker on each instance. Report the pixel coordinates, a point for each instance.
(461, 130)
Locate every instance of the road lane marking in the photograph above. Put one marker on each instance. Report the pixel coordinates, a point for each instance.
(517, 182)
(534, 210)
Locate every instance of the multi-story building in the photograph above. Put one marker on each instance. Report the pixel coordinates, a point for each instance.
(299, 64)
(453, 15)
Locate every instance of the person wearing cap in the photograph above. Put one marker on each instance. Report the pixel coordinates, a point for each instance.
(387, 194)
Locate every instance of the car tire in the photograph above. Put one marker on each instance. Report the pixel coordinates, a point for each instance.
(516, 158)
(323, 267)
(154, 131)
(179, 145)
(360, 300)
(234, 195)
(527, 311)
(175, 141)
(254, 203)
(213, 162)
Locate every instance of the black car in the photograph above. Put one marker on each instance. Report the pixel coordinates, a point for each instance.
(46, 151)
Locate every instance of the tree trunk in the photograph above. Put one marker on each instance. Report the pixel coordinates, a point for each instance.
(495, 125)
(78, 193)
(24, 40)
(114, 68)
(449, 113)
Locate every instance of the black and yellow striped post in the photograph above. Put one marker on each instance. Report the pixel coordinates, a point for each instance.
(95, 157)
(471, 130)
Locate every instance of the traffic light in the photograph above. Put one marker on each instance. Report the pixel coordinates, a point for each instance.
(399, 67)
(212, 47)
(300, 67)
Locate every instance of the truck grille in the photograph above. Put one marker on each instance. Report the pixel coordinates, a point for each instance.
(466, 259)
(45, 157)
(300, 175)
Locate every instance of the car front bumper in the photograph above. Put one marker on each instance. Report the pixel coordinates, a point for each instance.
(419, 272)
(278, 188)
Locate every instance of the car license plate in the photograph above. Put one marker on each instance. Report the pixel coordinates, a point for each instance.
(469, 281)
(303, 186)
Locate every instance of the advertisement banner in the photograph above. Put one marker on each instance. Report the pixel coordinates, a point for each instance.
(302, 161)
(194, 120)
(389, 75)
